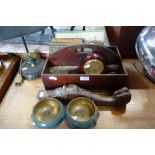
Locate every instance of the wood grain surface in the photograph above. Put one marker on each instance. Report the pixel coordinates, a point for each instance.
(16, 107)
(124, 37)
(8, 72)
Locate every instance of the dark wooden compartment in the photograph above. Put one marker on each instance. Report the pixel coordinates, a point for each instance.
(92, 82)
(124, 37)
(7, 74)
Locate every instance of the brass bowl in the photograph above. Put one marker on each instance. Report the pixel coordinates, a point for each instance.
(81, 112)
(48, 113)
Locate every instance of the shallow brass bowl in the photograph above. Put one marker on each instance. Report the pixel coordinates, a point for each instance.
(81, 109)
(47, 110)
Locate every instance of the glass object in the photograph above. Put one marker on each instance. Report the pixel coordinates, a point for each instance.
(145, 48)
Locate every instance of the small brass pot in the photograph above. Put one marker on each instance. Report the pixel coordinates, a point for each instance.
(48, 113)
(81, 113)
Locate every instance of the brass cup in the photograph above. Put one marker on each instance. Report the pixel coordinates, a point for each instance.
(81, 109)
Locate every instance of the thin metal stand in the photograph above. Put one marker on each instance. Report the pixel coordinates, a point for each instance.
(24, 42)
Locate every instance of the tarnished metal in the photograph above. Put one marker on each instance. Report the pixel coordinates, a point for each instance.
(81, 112)
(93, 66)
(81, 109)
(48, 113)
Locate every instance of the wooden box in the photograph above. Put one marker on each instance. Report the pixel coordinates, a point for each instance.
(8, 72)
(71, 56)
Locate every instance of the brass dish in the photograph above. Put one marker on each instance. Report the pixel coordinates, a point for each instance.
(48, 113)
(47, 110)
(81, 109)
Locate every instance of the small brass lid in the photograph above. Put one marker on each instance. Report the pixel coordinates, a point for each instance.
(93, 66)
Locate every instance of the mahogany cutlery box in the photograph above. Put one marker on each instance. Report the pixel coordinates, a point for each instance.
(73, 56)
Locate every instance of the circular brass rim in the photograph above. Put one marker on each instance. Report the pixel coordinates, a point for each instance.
(75, 117)
(93, 66)
(47, 110)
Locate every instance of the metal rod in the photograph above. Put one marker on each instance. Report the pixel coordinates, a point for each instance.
(24, 42)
